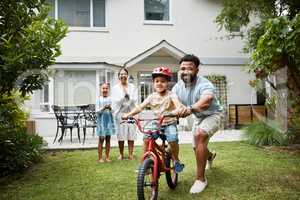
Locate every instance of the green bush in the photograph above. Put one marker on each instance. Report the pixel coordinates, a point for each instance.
(11, 114)
(261, 133)
(18, 150)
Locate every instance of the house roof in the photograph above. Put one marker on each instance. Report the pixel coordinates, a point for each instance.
(162, 46)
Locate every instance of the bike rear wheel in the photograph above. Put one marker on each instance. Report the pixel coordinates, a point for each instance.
(171, 175)
(147, 187)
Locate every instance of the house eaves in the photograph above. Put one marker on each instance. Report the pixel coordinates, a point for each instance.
(166, 46)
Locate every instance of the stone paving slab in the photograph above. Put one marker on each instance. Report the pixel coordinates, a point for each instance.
(92, 142)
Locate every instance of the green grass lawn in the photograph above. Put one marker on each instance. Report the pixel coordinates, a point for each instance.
(240, 171)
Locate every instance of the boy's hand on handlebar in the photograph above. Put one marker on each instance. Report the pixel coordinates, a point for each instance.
(168, 114)
(125, 116)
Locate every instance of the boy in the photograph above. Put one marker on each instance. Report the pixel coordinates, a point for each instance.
(163, 100)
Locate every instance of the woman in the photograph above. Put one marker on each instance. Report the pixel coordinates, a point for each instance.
(124, 96)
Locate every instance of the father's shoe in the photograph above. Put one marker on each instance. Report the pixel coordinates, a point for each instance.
(209, 163)
(178, 166)
(198, 186)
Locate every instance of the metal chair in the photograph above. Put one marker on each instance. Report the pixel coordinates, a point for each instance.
(66, 118)
(89, 119)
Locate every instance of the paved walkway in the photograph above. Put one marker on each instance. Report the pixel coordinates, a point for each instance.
(92, 142)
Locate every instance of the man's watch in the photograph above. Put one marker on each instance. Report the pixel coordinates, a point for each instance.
(190, 108)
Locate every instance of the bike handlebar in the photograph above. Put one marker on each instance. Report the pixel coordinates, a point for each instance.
(137, 121)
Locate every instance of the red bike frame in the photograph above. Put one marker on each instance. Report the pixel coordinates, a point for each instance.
(154, 150)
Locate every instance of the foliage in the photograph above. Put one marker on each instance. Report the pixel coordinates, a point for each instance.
(18, 150)
(11, 114)
(216, 78)
(271, 29)
(262, 133)
(273, 37)
(29, 43)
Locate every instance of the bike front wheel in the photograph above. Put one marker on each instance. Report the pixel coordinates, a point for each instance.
(147, 184)
(171, 175)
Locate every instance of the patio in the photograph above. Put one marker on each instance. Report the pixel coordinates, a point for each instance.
(92, 141)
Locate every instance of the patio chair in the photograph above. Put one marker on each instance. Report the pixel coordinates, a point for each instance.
(89, 119)
(66, 118)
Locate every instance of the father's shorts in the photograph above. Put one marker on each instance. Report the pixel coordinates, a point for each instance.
(209, 124)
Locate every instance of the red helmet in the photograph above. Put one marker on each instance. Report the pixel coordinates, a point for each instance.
(162, 71)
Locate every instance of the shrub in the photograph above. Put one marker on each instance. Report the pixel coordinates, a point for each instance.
(262, 133)
(11, 114)
(18, 150)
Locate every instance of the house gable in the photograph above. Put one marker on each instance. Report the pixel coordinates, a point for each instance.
(162, 49)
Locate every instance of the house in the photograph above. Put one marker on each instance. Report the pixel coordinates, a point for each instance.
(105, 35)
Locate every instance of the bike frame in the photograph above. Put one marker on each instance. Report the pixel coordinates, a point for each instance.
(154, 150)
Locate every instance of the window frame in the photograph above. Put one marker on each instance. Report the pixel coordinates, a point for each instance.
(42, 102)
(159, 22)
(91, 28)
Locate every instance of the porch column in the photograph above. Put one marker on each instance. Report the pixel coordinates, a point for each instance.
(97, 84)
(51, 93)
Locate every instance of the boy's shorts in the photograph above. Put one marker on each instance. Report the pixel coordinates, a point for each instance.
(170, 131)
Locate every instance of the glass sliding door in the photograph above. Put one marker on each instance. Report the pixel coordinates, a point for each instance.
(145, 85)
(72, 87)
(107, 76)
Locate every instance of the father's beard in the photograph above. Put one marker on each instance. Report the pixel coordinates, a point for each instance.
(188, 79)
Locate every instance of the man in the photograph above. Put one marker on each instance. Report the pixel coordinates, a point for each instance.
(198, 94)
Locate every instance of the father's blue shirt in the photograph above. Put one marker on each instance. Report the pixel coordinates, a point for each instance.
(188, 95)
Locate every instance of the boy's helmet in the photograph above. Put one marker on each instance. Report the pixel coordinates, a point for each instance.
(162, 71)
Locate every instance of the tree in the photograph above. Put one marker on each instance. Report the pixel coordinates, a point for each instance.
(29, 43)
(271, 31)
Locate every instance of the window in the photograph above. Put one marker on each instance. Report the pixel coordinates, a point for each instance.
(51, 3)
(44, 98)
(157, 10)
(145, 85)
(79, 13)
(107, 76)
(74, 87)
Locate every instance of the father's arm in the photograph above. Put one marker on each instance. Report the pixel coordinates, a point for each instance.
(203, 103)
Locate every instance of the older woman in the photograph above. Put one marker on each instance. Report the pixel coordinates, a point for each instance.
(124, 96)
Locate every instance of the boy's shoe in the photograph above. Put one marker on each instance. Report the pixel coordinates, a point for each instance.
(178, 166)
(198, 186)
(209, 163)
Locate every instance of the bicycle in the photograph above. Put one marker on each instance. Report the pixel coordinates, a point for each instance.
(156, 160)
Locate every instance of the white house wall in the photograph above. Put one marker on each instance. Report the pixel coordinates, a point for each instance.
(192, 30)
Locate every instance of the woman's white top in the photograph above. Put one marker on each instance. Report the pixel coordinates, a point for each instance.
(119, 103)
